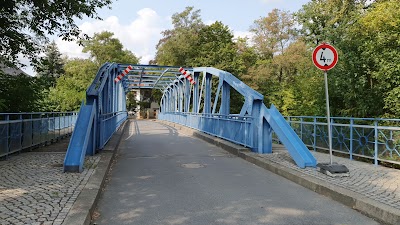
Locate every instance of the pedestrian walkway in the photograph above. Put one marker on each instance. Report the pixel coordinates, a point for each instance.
(378, 183)
(35, 190)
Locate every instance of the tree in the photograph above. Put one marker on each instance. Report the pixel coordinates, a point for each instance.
(50, 66)
(79, 73)
(104, 48)
(272, 34)
(247, 53)
(19, 93)
(215, 48)
(353, 89)
(328, 20)
(24, 24)
(71, 87)
(379, 30)
(175, 48)
(131, 103)
(276, 67)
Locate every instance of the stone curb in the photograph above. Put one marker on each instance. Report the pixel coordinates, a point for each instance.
(83, 208)
(369, 207)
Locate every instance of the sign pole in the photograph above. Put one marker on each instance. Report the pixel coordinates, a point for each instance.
(328, 116)
(325, 58)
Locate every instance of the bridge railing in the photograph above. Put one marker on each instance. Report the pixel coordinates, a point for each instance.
(20, 131)
(234, 128)
(109, 123)
(205, 105)
(370, 138)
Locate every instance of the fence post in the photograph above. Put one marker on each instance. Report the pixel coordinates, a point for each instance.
(7, 118)
(351, 138)
(376, 143)
(315, 133)
(301, 128)
(21, 132)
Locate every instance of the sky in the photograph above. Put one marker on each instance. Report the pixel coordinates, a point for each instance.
(138, 23)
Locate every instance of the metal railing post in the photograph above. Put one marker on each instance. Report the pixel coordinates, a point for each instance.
(351, 138)
(376, 143)
(315, 134)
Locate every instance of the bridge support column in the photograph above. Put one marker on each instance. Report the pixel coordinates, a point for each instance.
(196, 92)
(207, 96)
(262, 133)
(265, 131)
(180, 94)
(225, 99)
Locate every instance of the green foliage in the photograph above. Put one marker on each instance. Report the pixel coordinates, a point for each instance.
(104, 48)
(364, 82)
(144, 105)
(215, 48)
(19, 93)
(131, 102)
(50, 67)
(71, 87)
(156, 95)
(24, 25)
(175, 48)
(273, 33)
(379, 31)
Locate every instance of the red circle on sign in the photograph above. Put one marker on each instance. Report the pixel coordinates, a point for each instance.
(324, 66)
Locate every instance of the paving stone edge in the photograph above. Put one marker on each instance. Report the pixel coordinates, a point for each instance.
(374, 209)
(83, 208)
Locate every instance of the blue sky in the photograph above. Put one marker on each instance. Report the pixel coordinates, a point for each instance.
(138, 23)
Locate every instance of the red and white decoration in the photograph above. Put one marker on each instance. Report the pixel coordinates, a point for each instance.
(125, 72)
(187, 75)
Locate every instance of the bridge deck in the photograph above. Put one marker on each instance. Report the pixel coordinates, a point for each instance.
(164, 177)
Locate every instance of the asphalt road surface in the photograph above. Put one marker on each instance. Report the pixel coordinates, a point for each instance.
(163, 177)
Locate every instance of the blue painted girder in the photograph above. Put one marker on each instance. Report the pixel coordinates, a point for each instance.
(296, 148)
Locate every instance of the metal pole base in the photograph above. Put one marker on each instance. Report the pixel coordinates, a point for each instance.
(333, 170)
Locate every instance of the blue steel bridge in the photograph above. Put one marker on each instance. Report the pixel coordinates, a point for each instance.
(205, 106)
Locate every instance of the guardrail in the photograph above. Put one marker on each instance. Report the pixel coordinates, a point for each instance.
(377, 139)
(240, 129)
(20, 131)
(109, 123)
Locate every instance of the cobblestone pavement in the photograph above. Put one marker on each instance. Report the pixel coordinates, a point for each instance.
(375, 182)
(35, 190)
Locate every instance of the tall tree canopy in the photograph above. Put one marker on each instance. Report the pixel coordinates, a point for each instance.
(25, 24)
(175, 48)
(273, 33)
(50, 66)
(19, 93)
(79, 73)
(103, 47)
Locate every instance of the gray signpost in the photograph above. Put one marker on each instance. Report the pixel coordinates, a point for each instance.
(325, 58)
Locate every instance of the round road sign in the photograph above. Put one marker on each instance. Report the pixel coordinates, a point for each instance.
(325, 57)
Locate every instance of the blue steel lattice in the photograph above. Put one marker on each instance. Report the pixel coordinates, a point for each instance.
(206, 106)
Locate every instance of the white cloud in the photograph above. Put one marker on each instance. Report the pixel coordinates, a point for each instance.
(71, 49)
(242, 34)
(139, 36)
(209, 22)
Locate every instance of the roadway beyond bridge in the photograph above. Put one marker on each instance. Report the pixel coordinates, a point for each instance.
(164, 177)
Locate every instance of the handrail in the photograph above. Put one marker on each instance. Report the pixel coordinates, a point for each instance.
(19, 133)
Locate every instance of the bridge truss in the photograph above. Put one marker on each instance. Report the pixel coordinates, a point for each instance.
(205, 105)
